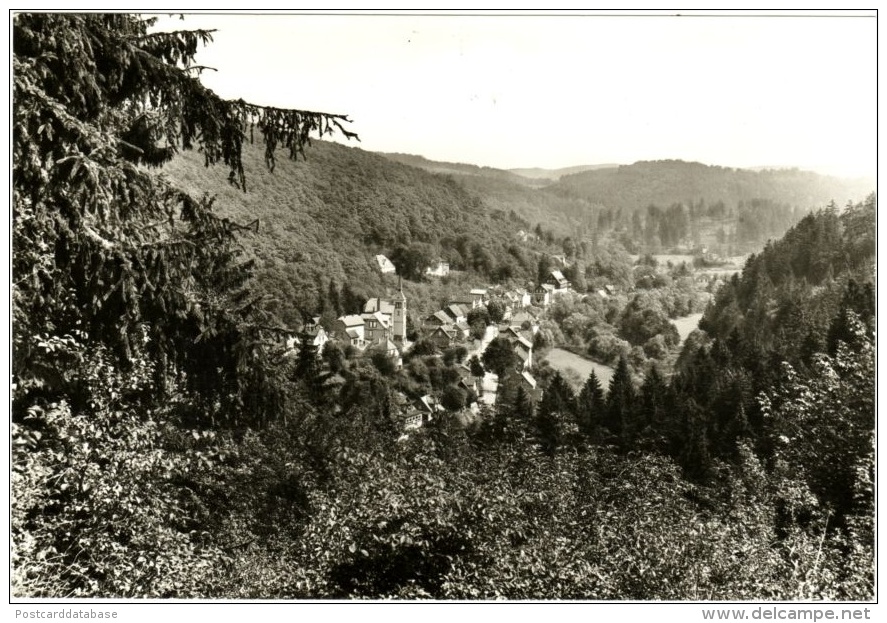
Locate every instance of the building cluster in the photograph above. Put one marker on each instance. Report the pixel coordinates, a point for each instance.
(382, 328)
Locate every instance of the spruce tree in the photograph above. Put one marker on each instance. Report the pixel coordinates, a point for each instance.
(652, 408)
(590, 407)
(106, 253)
(620, 403)
(555, 409)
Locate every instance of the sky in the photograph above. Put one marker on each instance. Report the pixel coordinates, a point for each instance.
(553, 91)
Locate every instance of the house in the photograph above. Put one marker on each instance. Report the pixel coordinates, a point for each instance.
(518, 299)
(527, 381)
(438, 268)
(464, 302)
(385, 265)
(319, 336)
(443, 336)
(313, 332)
(389, 349)
(377, 327)
(524, 317)
(435, 320)
(524, 350)
(413, 419)
(478, 297)
(509, 333)
(557, 279)
(428, 406)
(456, 313)
(384, 306)
(543, 294)
(463, 330)
(350, 329)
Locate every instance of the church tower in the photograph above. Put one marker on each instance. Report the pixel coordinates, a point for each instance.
(399, 321)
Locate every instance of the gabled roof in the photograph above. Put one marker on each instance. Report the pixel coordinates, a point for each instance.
(521, 316)
(546, 286)
(315, 331)
(386, 347)
(379, 305)
(525, 343)
(442, 317)
(381, 318)
(428, 403)
(454, 310)
(509, 333)
(351, 320)
(447, 330)
(385, 264)
(463, 326)
(467, 302)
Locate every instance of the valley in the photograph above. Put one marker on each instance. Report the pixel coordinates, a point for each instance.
(253, 365)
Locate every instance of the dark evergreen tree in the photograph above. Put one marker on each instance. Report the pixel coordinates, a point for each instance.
(620, 403)
(590, 408)
(333, 299)
(556, 409)
(651, 412)
(307, 366)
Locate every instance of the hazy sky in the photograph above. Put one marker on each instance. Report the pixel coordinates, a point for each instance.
(555, 91)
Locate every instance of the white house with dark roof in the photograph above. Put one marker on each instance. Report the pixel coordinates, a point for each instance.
(350, 329)
(377, 327)
(557, 279)
(456, 313)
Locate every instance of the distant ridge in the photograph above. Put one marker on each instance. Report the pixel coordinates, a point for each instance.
(450, 168)
(556, 174)
(534, 176)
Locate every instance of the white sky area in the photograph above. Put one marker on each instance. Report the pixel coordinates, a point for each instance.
(553, 91)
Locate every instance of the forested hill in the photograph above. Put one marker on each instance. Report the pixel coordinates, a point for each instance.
(664, 182)
(511, 191)
(785, 360)
(656, 206)
(455, 168)
(325, 218)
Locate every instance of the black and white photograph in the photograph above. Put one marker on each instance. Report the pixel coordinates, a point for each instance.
(563, 307)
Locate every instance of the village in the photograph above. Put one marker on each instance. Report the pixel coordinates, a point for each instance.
(382, 329)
